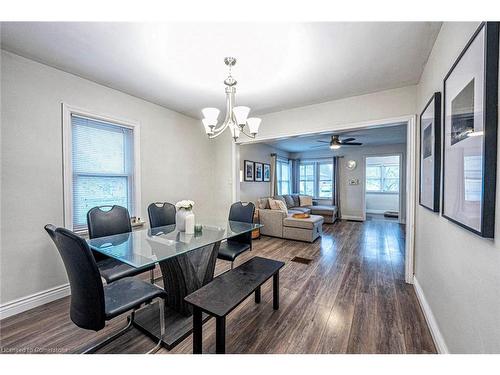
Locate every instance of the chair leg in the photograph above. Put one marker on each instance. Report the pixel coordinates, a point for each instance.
(232, 264)
(162, 326)
(152, 276)
(100, 345)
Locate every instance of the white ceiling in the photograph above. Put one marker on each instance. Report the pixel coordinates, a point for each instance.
(386, 135)
(280, 65)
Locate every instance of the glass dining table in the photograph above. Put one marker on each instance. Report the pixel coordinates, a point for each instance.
(187, 262)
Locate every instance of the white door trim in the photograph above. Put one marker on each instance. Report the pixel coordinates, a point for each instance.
(411, 169)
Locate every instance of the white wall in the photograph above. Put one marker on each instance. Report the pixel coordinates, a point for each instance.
(352, 202)
(337, 114)
(176, 163)
(261, 153)
(378, 203)
(458, 271)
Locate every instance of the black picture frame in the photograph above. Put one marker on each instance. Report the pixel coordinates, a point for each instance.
(266, 174)
(430, 136)
(486, 226)
(248, 171)
(259, 172)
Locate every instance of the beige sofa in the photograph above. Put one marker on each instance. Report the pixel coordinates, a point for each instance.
(277, 223)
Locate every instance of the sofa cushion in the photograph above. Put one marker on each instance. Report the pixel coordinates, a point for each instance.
(300, 210)
(277, 204)
(305, 200)
(296, 200)
(289, 201)
(324, 210)
(308, 223)
(280, 197)
(263, 203)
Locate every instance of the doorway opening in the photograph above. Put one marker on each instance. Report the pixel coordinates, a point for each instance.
(351, 174)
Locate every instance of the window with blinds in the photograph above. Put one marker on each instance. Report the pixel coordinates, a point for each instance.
(102, 167)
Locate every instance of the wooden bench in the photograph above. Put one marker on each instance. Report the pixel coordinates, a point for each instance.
(226, 292)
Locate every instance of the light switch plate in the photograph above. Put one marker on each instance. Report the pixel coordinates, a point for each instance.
(354, 181)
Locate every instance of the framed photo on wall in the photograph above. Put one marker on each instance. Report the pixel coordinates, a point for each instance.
(258, 172)
(470, 134)
(248, 170)
(267, 172)
(430, 153)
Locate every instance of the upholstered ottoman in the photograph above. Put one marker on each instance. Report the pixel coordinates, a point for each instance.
(303, 229)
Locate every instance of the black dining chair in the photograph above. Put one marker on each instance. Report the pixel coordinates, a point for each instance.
(161, 214)
(235, 246)
(92, 304)
(102, 223)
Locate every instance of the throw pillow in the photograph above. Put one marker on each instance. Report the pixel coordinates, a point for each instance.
(277, 204)
(296, 200)
(305, 200)
(263, 203)
(289, 201)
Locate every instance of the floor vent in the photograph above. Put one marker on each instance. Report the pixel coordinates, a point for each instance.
(301, 260)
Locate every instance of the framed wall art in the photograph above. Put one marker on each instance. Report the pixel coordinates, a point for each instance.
(248, 170)
(258, 172)
(267, 172)
(470, 116)
(430, 153)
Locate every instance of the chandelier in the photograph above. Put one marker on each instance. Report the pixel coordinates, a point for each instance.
(236, 117)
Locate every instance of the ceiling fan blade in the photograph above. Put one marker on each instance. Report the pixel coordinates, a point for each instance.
(348, 140)
(322, 141)
(352, 144)
(321, 146)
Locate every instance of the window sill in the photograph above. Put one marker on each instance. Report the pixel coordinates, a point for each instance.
(382, 192)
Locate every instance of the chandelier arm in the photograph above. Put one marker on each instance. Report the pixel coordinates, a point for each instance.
(248, 135)
(221, 127)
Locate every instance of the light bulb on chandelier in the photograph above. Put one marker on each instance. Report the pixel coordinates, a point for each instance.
(236, 118)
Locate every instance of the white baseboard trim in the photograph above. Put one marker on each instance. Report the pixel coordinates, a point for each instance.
(430, 319)
(34, 300)
(375, 211)
(350, 217)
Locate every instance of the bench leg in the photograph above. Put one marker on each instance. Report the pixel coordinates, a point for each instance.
(197, 331)
(220, 335)
(257, 295)
(276, 291)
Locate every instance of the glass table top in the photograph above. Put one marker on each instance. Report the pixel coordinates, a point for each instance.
(145, 247)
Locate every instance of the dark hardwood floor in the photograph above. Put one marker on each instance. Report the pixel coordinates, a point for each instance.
(351, 298)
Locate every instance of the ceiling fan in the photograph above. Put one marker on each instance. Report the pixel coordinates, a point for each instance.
(335, 143)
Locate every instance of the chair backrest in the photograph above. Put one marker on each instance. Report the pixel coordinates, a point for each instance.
(103, 223)
(161, 214)
(87, 308)
(242, 212)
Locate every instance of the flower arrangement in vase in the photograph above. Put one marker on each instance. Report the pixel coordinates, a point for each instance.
(184, 217)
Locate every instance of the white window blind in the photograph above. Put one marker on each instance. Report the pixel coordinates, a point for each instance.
(102, 167)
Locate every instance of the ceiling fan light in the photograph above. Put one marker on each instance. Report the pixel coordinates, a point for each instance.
(254, 124)
(241, 114)
(211, 114)
(335, 146)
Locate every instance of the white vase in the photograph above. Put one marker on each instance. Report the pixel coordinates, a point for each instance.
(180, 219)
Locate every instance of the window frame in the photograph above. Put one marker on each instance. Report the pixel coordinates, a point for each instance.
(67, 138)
(382, 176)
(316, 163)
(278, 174)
